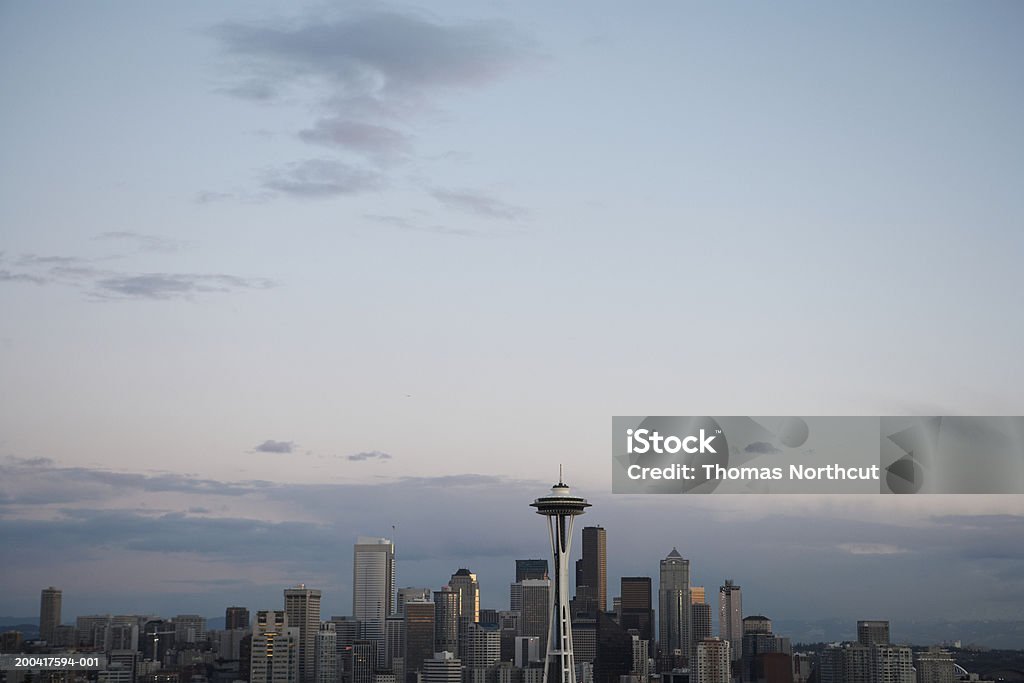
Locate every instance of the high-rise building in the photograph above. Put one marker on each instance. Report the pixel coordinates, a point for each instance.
(409, 593)
(189, 628)
(534, 609)
(935, 666)
(614, 650)
(528, 651)
(419, 634)
(674, 615)
(446, 620)
(274, 657)
(641, 659)
(157, 638)
(730, 617)
(373, 588)
(302, 605)
(592, 567)
(561, 508)
(347, 632)
(700, 625)
(326, 653)
(236, 617)
(713, 661)
(364, 661)
(697, 595)
(637, 610)
(891, 664)
(49, 613)
(873, 632)
(394, 640)
(464, 583)
(531, 569)
(758, 640)
(483, 647)
(443, 667)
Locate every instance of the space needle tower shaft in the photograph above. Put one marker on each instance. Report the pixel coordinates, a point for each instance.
(560, 507)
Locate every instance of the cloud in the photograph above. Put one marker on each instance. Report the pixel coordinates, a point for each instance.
(105, 284)
(271, 446)
(478, 203)
(380, 142)
(322, 178)
(762, 447)
(368, 455)
(871, 549)
(173, 285)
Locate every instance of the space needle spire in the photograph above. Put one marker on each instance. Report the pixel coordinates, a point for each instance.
(560, 507)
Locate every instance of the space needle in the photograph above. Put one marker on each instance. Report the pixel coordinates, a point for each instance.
(560, 507)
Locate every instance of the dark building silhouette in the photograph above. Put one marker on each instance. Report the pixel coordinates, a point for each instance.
(531, 569)
(236, 617)
(637, 613)
(419, 635)
(592, 568)
(614, 651)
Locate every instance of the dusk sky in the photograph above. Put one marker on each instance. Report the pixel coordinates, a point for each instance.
(273, 277)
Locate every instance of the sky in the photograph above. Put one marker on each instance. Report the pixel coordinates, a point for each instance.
(273, 277)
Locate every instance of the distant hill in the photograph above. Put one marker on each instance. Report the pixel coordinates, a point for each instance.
(1006, 635)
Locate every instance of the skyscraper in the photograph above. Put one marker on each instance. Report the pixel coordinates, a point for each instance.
(713, 661)
(409, 593)
(534, 607)
(49, 613)
(700, 625)
(873, 632)
(531, 569)
(419, 634)
(561, 508)
(326, 653)
(592, 567)
(446, 620)
(443, 667)
(637, 610)
(236, 617)
(730, 617)
(302, 605)
(275, 647)
(373, 588)
(464, 584)
(674, 628)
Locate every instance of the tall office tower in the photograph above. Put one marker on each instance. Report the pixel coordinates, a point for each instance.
(49, 613)
(189, 628)
(409, 593)
(443, 667)
(697, 595)
(347, 630)
(483, 647)
(637, 610)
(758, 641)
(873, 632)
(584, 640)
(531, 569)
(446, 620)
(891, 664)
(373, 588)
(508, 626)
(419, 634)
(364, 661)
(535, 609)
(488, 617)
(641, 656)
(730, 617)
(713, 661)
(935, 666)
(700, 625)
(236, 617)
(394, 640)
(465, 584)
(592, 567)
(561, 508)
(302, 605)
(614, 650)
(326, 653)
(674, 598)
(275, 649)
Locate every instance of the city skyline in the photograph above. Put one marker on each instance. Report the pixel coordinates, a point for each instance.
(274, 277)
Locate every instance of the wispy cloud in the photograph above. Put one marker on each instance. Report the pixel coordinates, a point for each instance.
(406, 224)
(144, 242)
(320, 178)
(107, 284)
(478, 203)
(368, 455)
(271, 446)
